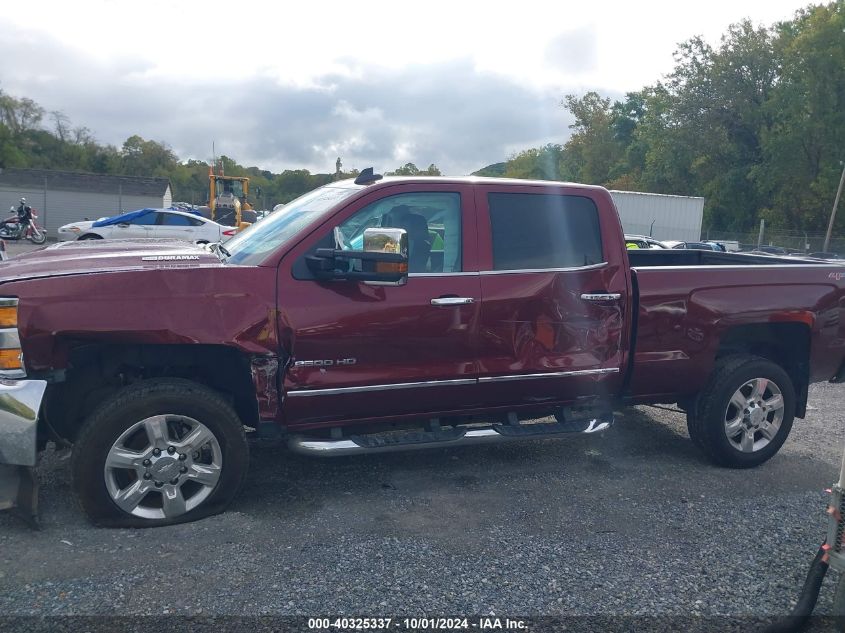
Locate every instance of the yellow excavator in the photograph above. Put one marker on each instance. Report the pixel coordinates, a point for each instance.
(228, 202)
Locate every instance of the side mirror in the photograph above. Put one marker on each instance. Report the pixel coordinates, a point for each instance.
(384, 260)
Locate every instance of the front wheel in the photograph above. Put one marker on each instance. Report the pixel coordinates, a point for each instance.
(37, 236)
(744, 414)
(159, 452)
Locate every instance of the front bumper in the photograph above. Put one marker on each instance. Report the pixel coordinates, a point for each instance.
(65, 235)
(20, 401)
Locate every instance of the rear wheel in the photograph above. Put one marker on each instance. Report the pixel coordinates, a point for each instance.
(159, 452)
(744, 414)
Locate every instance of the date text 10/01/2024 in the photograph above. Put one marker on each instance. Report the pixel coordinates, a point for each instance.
(417, 624)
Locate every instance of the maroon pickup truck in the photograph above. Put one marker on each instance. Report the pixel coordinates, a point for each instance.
(390, 314)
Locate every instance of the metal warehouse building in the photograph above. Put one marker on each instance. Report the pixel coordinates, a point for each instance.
(661, 216)
(60, 197)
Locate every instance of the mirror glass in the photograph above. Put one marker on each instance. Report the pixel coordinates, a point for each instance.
(386, 240)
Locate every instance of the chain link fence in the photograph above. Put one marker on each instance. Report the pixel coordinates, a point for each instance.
(791, 241)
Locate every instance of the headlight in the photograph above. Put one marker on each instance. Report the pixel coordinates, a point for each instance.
(11, 356)
(70, 229)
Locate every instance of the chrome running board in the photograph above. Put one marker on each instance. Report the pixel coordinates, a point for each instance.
(445, 438)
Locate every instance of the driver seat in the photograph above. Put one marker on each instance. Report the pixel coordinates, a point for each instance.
(419, 239)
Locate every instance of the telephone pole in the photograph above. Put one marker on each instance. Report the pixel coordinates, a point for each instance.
(833, 211)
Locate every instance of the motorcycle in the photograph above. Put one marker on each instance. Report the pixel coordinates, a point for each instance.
(15, 229)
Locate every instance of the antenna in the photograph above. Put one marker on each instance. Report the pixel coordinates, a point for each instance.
(367, 177)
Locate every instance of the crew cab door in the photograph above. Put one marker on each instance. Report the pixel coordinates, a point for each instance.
(554, 283)
(364, 351)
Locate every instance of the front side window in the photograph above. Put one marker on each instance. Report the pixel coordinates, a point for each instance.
(536, 231)
(431, 219)
(147, 219)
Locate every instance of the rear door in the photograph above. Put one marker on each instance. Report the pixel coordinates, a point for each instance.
(554, 288)
(176, 225)
(363, 351)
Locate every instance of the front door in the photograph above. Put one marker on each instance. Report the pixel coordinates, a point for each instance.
(364, 351)
(138, 227)
(553, 321)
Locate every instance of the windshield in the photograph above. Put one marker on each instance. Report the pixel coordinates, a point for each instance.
(229, 187)
(251, 246)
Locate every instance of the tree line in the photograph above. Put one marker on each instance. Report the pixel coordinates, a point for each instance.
(31, 137)
(755, 124)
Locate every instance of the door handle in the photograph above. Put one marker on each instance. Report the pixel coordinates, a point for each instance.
(452, 301)
(601, 296)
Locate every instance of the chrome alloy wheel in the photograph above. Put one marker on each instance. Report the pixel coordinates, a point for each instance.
(163, 467)
(754, 415)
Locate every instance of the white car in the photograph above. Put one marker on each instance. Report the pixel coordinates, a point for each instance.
(156, 223)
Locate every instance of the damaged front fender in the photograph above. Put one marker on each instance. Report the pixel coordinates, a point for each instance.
(20, 401)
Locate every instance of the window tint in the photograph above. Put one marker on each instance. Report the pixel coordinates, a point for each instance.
(144, 220)
(431, 219)
(543, 231)
(171, 219)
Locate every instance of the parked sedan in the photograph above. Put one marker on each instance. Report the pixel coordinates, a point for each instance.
(161, 223)
(643, 242)
(697, 246)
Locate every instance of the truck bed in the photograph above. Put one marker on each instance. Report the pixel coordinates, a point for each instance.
(691, 306)
(689, 257)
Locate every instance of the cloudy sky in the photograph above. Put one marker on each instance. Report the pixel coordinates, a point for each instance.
(292, 85)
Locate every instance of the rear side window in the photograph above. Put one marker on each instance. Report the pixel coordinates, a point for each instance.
(532, 231)
(171, 219)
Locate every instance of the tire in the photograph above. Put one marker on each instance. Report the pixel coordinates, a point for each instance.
(199, 478)
(89, 236)
(38, 237)
(744, 413)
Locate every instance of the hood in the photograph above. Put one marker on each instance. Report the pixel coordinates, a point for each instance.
(99, 256)
(82, 224)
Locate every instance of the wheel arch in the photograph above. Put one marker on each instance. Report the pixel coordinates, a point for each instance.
(784, 343)
(96, 370)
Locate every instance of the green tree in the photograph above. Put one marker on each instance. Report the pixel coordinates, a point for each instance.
(592, 153)
(409, 169)
(146, 158)
(803, 146)
(542, 163)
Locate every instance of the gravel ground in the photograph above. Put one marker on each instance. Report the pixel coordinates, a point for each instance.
(633, 522)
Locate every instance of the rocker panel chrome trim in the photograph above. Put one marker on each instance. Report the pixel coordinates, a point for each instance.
(386, 387)
(553, 374)
(447, 383)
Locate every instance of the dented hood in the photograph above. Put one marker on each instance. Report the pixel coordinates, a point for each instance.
(100, 256)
